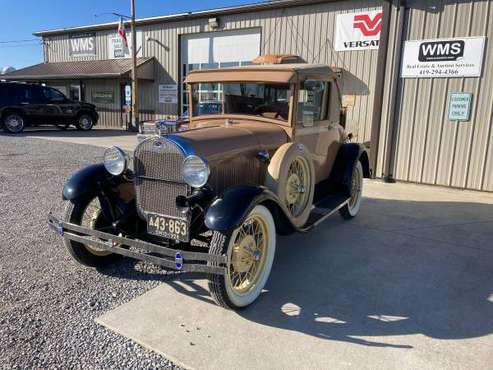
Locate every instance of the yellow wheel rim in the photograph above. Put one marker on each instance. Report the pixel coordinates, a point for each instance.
(248, 254)
(297, 186)
(89, 219)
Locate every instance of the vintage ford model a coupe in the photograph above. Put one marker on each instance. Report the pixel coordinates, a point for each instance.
(265, 152)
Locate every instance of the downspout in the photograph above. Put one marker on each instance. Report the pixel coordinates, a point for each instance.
(394, 103)
(379, 86)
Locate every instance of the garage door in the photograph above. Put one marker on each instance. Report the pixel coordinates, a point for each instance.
(216, 50)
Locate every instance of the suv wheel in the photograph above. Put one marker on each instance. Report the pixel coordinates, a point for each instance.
(85, 122)
(13, 123)
(250, 252)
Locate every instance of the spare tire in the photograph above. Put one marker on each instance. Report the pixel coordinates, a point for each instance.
(291, 176)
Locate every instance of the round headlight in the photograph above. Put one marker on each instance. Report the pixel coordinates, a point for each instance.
(115, 160)
(195, 171)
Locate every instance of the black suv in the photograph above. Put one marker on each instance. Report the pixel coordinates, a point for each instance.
(23, 104)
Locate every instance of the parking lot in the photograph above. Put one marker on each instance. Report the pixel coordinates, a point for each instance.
(407, 284)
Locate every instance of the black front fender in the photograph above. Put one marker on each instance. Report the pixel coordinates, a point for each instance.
(342, 172)
(86, 181)
(229, 211)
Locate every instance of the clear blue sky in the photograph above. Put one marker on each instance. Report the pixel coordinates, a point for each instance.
(20, 18)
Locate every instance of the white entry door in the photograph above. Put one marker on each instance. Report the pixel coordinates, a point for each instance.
(216, 50)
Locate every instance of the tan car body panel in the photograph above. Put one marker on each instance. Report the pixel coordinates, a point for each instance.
(231, 148)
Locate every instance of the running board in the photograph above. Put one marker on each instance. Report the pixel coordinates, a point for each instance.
(323, 209)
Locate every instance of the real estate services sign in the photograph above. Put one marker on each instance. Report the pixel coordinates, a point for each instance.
(451, 57)
(358, 31)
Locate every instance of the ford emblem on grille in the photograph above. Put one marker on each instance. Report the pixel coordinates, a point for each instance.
(160, 144)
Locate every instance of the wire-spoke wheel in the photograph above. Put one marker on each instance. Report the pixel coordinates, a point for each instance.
(250, 252)
(297, 185)
(291, 176)
(87, 212)
(351, 209)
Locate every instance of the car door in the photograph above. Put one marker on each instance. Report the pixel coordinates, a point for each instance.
(315, 127)
(26, 98)
(57, 108)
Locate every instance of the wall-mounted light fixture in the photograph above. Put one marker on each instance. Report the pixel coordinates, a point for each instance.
(213, 23)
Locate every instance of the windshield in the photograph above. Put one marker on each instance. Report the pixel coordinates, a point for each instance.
(255, 99)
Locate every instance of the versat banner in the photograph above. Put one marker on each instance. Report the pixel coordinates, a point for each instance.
(358, 31)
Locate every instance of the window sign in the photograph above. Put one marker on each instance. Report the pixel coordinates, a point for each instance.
(103, 97)
(168, 93)
(128, 95)
(452, 57)
(81, 45)
(459, 108)
(117, 49)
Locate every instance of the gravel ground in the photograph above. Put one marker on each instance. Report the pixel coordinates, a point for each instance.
(48, 302)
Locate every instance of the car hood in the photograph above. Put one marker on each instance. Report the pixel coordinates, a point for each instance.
(214, 141)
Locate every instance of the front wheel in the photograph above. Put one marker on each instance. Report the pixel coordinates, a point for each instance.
(87, 212)
(250, 253)
(85, 122)
(351, 209)
(13, 123)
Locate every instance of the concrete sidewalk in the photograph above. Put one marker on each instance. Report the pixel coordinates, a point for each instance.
(407, 284)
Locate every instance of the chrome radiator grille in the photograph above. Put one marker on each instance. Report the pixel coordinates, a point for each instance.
(158, 177)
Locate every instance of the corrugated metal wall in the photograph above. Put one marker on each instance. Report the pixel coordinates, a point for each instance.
(428, 147)
(109, 113)
(308, 31)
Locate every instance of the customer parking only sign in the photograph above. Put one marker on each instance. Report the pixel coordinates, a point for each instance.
(452, 57)
(358, 31)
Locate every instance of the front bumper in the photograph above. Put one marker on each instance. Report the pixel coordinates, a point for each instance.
(166, 257)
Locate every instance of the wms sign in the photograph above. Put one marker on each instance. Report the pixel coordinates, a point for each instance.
(440, 51)
(82, 45)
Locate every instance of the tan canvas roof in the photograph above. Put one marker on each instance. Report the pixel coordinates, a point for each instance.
(277, 73)
(111, 68)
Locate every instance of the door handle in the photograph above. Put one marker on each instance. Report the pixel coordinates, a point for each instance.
(24, 103)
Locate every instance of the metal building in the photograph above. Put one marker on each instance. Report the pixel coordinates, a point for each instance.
(416, 81)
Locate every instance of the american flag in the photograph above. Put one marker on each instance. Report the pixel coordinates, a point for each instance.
(122, 33)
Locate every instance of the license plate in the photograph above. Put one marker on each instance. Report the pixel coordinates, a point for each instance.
(168, 227)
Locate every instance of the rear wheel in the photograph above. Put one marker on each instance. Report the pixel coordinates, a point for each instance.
(13, 123)
(87, 212)
(85, 122)
(250, 253)
(351, 209)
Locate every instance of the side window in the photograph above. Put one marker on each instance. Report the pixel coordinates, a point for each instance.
(312, 102)
(53, 96)
(21, 94)
(3, 95)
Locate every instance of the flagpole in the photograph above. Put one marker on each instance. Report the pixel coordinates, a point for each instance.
(135, 112)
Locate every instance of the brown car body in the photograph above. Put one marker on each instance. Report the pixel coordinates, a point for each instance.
(212, 198)
(231, 142)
